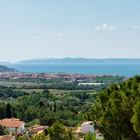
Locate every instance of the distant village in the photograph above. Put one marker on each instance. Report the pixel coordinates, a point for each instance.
(60, 75)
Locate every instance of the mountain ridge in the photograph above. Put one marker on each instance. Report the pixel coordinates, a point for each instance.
(69, 60)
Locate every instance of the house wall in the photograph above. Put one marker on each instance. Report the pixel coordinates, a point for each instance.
(10, 128)
(20, 129)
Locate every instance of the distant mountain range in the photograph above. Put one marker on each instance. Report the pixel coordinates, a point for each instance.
(81, 61)
(6, 69)
(77, 61)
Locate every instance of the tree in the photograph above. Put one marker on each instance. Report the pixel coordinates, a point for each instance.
(117, 112)
(136, 118)
(24, 137)
(57, 132)
(46, 91)
(39, 137)
(47, 121)
(1, 130)
(2, 111)
(8, 111)
(54, 106)
(69, 135)
(46, 132)
(89, 136)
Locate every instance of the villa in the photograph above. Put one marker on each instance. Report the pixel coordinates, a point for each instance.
(13, 124)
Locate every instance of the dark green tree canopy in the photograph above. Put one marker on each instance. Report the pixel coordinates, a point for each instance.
(117, 111)
(8, 111)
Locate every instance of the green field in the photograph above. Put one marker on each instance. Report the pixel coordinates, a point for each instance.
(56, 92)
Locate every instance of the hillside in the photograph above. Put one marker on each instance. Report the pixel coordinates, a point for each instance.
(6, 69)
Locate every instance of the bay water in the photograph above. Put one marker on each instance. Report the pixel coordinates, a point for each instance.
(127, 70)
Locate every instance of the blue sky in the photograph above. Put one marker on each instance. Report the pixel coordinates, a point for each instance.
(69, 28)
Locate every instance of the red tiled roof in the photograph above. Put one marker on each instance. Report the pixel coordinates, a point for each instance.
(13, 122)
(39, 128)
(11, 119)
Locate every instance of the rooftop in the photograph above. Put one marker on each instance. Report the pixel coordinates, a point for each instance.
(10, 123)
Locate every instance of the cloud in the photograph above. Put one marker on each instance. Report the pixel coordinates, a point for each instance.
(105, 27)
(60, 34)
(71, 29)
(34, 37)
(136, 27)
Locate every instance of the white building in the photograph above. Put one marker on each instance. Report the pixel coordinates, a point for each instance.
(90, 84)
(13, 124)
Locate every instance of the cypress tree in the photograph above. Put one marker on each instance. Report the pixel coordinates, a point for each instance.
(8, 111)
(54, 106)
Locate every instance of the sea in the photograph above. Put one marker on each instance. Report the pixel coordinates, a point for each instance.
(127, 70)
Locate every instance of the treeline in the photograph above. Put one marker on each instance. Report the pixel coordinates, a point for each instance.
(8, 92)
(65, 86)
(109, 79)
(117, 111)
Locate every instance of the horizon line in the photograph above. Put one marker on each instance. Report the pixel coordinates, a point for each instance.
(13, 62)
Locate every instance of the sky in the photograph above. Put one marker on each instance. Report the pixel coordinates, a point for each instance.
(32, 29)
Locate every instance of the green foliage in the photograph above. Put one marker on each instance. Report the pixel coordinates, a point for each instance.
(24, 137)
(34, 122)
(67, 106)
(46, 132)
(1, 130)
(58, 132)
(82, 135)
(39, 137)
(6, 131)
(89, 136)
(47, 121)
(117, 111)
(108, 79)
(8, 111)
(46, 91)
(136, 118)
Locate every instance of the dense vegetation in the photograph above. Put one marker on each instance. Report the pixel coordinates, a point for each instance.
(44, 107)
(60, 83)
(117, 111)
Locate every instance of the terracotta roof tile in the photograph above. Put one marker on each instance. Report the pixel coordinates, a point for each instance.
(13, 122)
